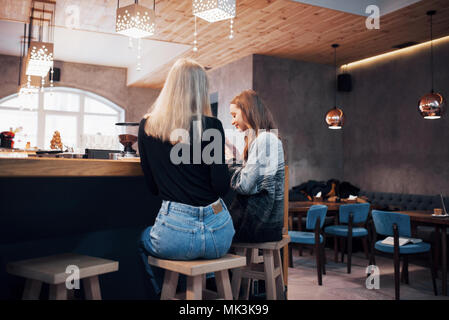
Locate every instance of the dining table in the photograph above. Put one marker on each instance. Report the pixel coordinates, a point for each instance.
(440, 223)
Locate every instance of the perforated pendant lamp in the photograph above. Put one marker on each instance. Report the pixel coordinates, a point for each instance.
(335, 117)
(430, 105)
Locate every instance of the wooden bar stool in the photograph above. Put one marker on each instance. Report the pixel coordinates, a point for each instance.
(196, 270)
(267, 267)
(52, 270)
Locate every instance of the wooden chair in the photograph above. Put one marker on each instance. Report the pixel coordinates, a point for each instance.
(52, 270)
(268, 266)
(398, 225)
(196, 270)
(315, 221)
(350, 217)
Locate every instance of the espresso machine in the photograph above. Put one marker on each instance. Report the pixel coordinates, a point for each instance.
(128, 136)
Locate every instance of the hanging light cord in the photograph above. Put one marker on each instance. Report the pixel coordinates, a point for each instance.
(336, 83)
(431, 50)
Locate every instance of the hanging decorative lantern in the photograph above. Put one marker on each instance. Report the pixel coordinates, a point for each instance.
(335, 117)
(39, 59)
(37, 48)
(135, 21)
(214, 10)
(430, 105)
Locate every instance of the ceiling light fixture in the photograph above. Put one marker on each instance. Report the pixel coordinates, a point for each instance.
(38, 46)
(430, 105)
(135, 21)
(213, 11)
(335, 117)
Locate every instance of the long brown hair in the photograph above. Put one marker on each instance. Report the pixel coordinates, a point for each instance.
(254, 113)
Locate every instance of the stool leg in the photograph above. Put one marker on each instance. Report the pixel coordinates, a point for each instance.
(58, 292)
(92, 288)
(280, 287)
(194, 287)
(269, 274)
(237, 273)
(170, 284)
(223, 284)
(32, 289)
(251, 259)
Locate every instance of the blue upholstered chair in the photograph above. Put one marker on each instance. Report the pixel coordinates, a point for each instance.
(398, 225)
(350, 216)
(315, 221)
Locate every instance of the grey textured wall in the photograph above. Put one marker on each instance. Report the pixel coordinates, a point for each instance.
(387, 145)
(299, 94)
(228, 81)
(108, 82)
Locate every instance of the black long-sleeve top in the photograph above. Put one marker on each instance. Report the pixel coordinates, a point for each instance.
(192, 184)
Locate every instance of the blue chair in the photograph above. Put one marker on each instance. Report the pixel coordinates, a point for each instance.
(398, 225)
(315, 221)
(350, 216)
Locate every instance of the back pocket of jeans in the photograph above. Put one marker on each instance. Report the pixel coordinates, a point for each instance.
(222, 233)
(176, 242)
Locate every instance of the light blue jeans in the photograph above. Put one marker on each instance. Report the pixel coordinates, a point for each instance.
(184, 232)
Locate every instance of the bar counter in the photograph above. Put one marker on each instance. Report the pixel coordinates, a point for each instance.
(60, 167)
(94, 207)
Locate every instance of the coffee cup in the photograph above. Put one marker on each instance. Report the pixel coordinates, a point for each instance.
(437, 211)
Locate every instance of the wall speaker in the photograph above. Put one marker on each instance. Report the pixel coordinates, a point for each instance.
(56, 75)
(344, 82)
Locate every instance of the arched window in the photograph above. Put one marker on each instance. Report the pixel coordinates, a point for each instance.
(84, 119)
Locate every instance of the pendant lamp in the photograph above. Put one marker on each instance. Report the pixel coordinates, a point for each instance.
(335, 117)
(431, 105)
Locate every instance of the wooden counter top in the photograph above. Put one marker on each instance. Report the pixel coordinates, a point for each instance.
(60, 167)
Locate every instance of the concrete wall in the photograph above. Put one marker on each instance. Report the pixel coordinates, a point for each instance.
(108, 82)
(229, 81)
(299, 94)
(387, 145)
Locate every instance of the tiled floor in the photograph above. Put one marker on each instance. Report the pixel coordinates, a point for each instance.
(338, 284)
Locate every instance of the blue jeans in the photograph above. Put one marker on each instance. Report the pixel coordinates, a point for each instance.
(184, 232)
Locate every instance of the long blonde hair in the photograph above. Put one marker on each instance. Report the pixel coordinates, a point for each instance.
(184, 95)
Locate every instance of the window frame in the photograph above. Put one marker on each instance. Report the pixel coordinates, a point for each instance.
(41, 112)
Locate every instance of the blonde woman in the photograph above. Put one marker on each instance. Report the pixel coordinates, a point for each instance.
(258, 181)
(182, 169)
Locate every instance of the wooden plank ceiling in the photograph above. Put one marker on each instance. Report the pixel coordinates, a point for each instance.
(278, 28)
(293, 30)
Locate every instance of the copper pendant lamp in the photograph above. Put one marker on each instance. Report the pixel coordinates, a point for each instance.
(335, 117)
(431, 105)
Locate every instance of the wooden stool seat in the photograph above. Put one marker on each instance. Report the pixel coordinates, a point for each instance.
(196, 270)
(267, 267)
(52, 270)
